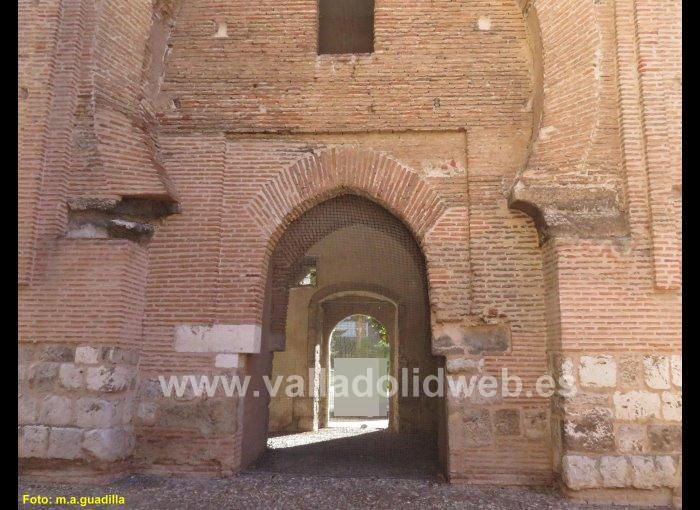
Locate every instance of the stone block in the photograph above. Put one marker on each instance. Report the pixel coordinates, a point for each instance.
(211, 417)
(446, 342)
(677, 501)
(25, 353)
(535, 423)
(488, 338)
(71, 376)
(23, 373)
(615, 472)
(33, 441)
(671, 406)
(56, 410)
(677, 370)
(563, 366)
(27, 409)
(632, 438)
(221, 414)
(65, 443)
(506, 422)
(629, 370)
(231, 338)
(109, 379)
(126, 409)
(147, 413)
(665, 438)
(657, 372)
(120, 355)
(650, 472)
(580, 472)
(667, 471)
(55, 353)
(454, 339)
(96, 413)
(477, 427)
(643, 472)
(228, 361)
(557, 447)
(150, 389)
(87, 355)
(464, 365)
(579, 403)
(636, 405)
(563, 372)
(108, 444)
(43, 375)
(597, 371)
(592, 431)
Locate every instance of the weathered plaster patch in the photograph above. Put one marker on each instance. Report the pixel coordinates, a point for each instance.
(443, 168)
(221, 30)
(484, 23)
(546, 131)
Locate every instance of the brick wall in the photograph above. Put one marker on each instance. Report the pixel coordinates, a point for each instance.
(566, 110)
(432, 68)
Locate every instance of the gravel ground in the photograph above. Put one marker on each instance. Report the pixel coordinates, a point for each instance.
(256, 490)
(333, 468)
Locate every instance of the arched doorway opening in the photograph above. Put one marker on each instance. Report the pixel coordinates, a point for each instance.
(362, 347)
(349, 256)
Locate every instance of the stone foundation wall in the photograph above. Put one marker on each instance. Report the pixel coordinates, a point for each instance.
(76, 403)
(621, 429)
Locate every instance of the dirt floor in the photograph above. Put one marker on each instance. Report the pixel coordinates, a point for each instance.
(334, 468)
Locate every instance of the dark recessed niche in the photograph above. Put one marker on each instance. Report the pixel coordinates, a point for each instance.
(345, 26)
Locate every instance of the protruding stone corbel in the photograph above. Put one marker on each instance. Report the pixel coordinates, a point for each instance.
(566, 210)
(127, 218)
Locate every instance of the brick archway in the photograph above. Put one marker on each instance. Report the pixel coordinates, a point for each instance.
(339, 221)
(323, 175)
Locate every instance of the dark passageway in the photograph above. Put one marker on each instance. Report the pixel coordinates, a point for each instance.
(351, 452)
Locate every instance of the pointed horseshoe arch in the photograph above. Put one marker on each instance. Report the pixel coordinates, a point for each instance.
(326, 174)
